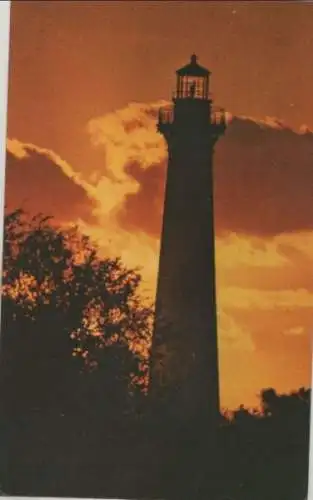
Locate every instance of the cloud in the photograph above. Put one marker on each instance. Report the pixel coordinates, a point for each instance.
(232, 335)
(144, 209)
(263, 172)
(254, 299)
(122, 209)
(135, 160)
(238, 250)
(128, 134)
(136, 249)
(38, 180)
(263, 179)
(295, 330)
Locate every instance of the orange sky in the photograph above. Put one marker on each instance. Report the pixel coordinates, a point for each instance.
(76, 68)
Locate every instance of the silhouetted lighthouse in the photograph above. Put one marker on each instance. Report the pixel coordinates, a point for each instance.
(184, 366)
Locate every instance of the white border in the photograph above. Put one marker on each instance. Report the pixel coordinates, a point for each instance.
(4, 70)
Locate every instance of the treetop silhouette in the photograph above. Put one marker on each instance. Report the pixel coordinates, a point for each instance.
(64, 307)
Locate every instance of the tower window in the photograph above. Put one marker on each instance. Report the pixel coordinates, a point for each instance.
(192, 87)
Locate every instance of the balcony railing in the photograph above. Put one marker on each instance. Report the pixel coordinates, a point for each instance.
(166, 115)
(199, 95)
(217, 116)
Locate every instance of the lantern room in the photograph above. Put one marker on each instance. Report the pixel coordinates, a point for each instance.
(192, 81)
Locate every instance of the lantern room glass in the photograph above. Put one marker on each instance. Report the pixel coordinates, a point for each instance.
(192, 87)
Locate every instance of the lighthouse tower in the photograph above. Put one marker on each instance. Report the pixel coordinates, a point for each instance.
(184, 360)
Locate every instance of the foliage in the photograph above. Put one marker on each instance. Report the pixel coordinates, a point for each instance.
(66, 310)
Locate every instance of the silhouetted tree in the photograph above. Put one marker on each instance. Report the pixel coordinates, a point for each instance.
(295, 404)
(65, 311)
(265, 452)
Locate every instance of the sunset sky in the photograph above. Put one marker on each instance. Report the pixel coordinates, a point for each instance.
(85, 82)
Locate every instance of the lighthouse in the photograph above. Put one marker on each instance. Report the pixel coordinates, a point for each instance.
(184, 358)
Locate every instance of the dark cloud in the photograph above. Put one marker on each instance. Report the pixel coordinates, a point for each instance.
(263, 183)
(263, 179)
(36, 183)
(143, 210)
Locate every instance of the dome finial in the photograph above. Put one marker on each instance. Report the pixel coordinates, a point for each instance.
(193, 59)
